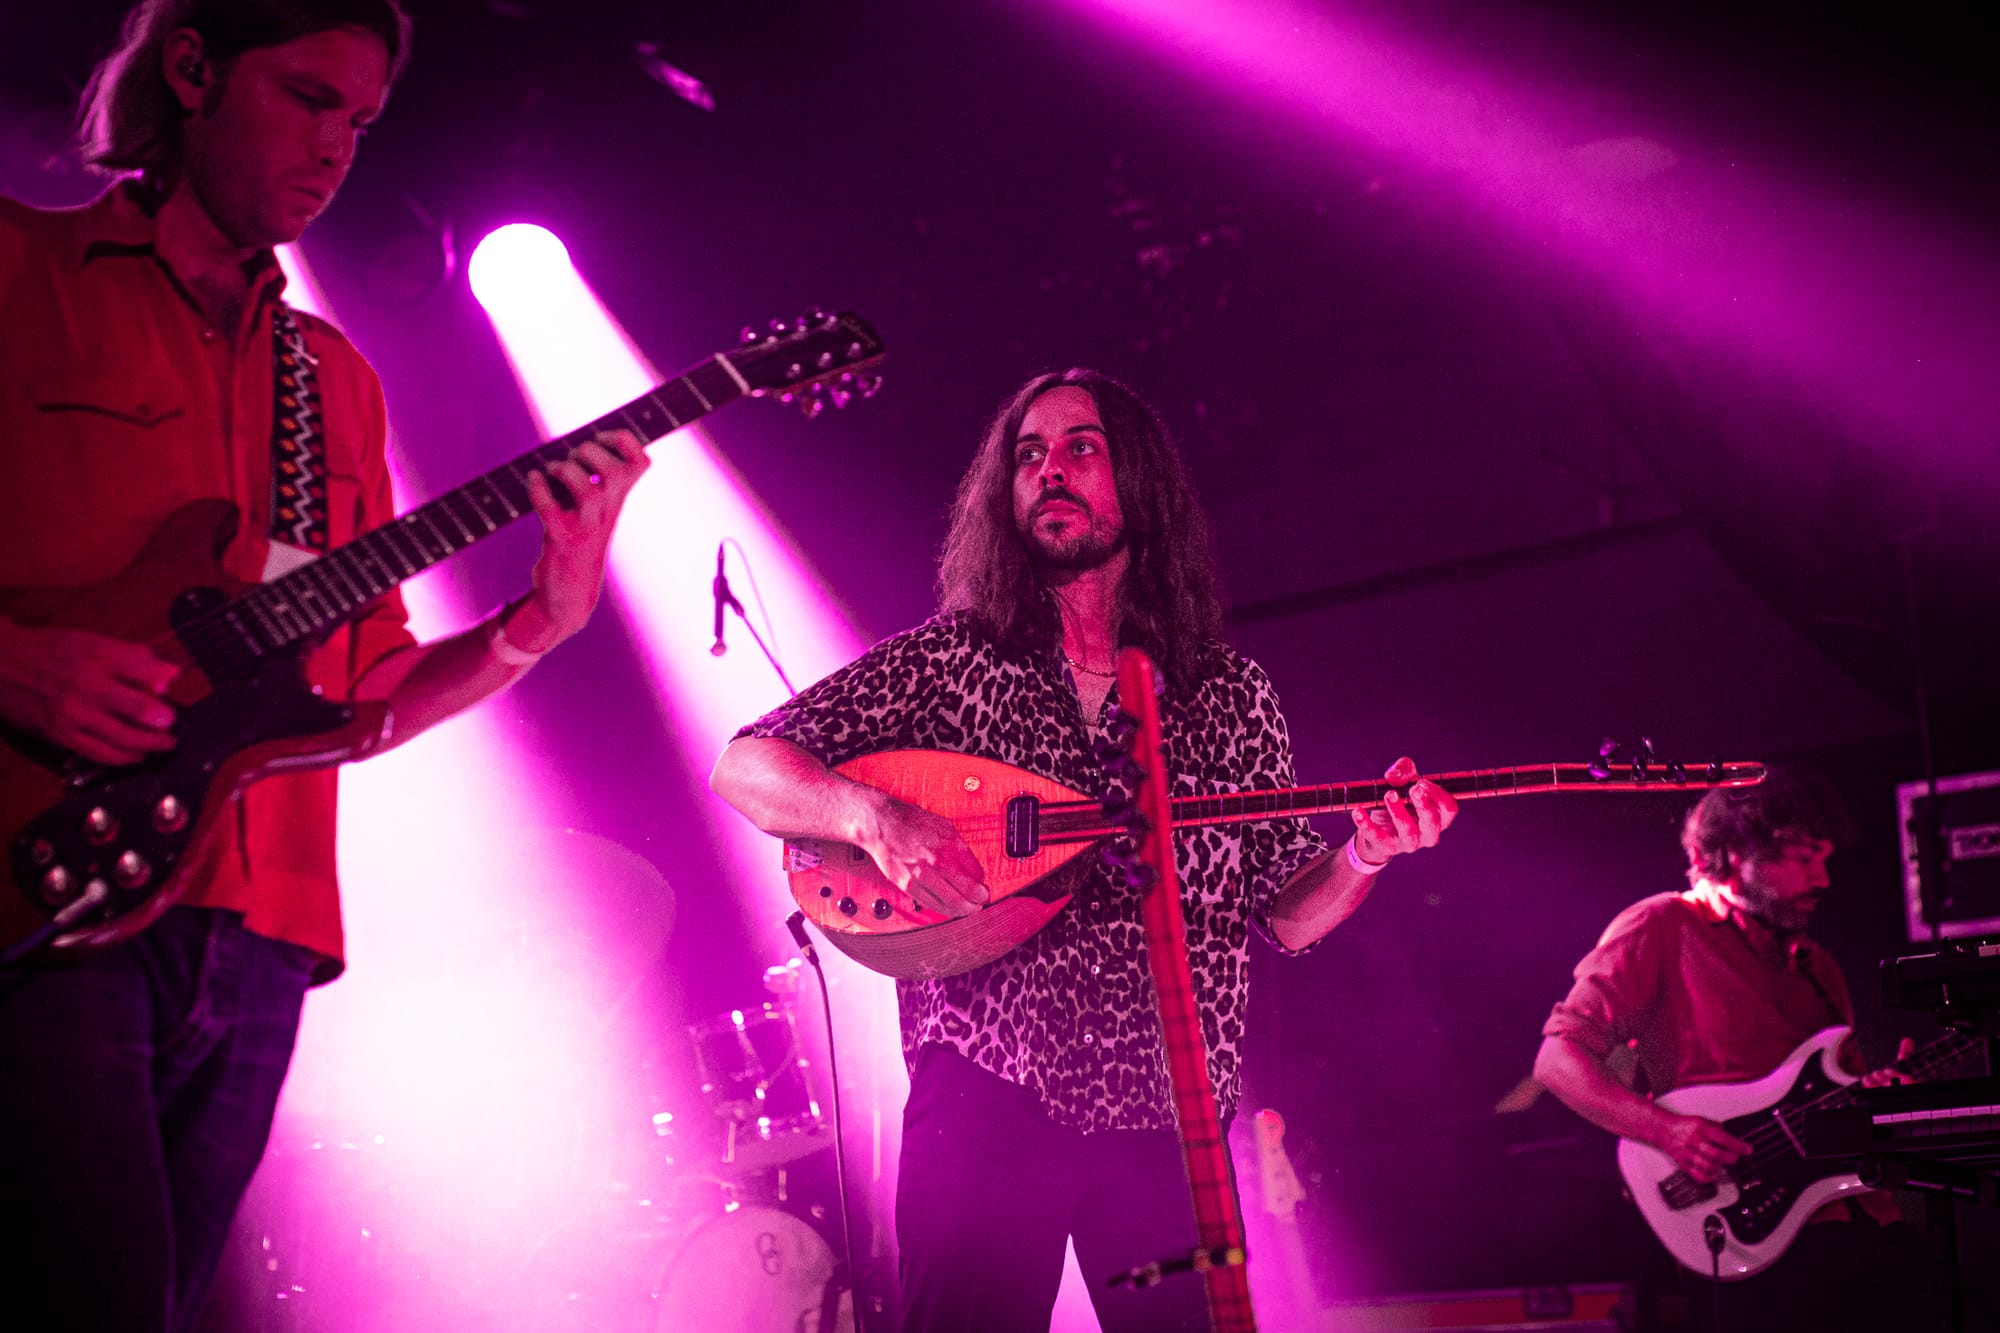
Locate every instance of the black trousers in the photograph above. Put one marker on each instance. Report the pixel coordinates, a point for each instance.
(136, 1094)
(990, 1190)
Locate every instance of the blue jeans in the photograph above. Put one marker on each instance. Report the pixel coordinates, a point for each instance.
(136, 1092)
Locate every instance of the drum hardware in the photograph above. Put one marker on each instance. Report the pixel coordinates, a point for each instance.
(755, 1079)
(758, 1082)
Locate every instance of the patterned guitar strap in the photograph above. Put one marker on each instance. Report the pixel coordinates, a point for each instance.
(298, 449)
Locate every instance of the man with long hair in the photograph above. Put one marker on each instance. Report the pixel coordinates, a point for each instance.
(140, 370)
(1039, 1107)
(1719, 983)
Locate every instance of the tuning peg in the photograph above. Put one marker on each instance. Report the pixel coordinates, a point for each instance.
(788, 398)
(870, 385)
(812, 404)
(854, 351)
(794, 371)
(840, 397)
(1677, 771)
(779, 328)
(1715, 770)
(749, 334)
(815, 317)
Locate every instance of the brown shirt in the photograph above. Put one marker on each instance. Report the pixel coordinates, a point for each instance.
(1682, 982)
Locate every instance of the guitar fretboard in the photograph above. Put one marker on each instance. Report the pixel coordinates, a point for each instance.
(1079, 821)
(317, 598)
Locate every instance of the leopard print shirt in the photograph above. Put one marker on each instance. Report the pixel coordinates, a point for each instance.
(1070, 1013)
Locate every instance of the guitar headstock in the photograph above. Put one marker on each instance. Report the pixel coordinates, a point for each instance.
(1641, 765)
(815, 360)
(1281, 1189)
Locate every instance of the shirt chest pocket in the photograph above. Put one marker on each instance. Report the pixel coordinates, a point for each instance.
(101, 396)
(90, 420)
(107, 453)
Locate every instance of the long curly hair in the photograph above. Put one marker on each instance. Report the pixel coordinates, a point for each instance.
(1172, 608)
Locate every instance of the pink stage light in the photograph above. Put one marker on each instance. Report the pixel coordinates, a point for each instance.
(463, 1068)
(574, 363)
(1882, 319)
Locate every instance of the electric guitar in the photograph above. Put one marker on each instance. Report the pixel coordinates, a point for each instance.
(95, 854)
(1766, 1196)
(1023, 828)
(1282, 1194)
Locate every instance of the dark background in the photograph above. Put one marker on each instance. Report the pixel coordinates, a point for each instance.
(1470, 505)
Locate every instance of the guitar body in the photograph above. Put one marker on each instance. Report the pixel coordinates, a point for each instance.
(232, 729)
(862, 914)
(1763, 1210)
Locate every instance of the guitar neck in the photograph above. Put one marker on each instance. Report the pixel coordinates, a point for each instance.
(1475, 784)
(1928, 1061)
(319, 597)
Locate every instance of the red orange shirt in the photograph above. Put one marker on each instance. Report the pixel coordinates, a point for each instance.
(120, 403)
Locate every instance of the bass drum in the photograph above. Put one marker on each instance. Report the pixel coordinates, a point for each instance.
(752, 1270)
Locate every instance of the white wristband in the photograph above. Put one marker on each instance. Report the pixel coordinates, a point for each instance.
(1362, 865)
(504, 648)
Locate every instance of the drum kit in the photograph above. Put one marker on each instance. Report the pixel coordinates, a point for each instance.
(727, 1223)
(763, 1260)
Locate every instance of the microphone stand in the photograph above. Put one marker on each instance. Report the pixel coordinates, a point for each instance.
(728, 599)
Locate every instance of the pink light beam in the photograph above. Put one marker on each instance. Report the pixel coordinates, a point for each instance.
(1887, 321)
(575, 362)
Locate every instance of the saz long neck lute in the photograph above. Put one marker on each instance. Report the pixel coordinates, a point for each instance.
(1023, 828)
(95, 854)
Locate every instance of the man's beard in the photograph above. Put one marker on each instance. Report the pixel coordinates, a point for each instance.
(1787, 916)
(1075, 550)
(1083, 543)
(1079, 547)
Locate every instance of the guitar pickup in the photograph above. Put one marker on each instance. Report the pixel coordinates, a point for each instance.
(1024, 825)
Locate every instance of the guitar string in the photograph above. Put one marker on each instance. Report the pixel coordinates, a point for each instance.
(210, 634)
(1073, 821)
(1775, 1133)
